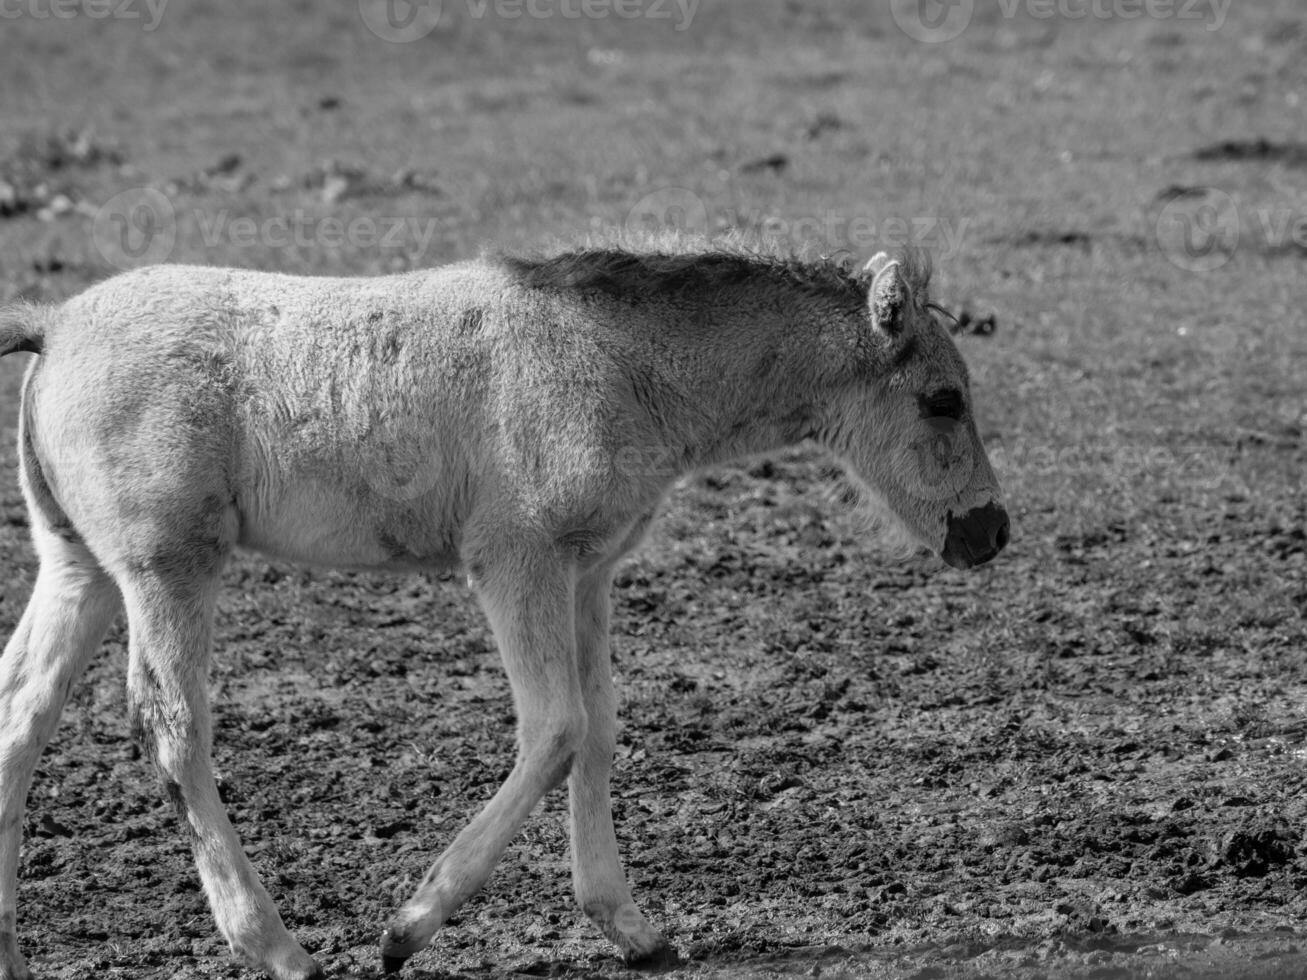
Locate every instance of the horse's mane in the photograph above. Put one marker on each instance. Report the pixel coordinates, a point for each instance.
(644, 273)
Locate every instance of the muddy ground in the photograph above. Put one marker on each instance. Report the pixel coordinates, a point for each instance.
(1086, 760)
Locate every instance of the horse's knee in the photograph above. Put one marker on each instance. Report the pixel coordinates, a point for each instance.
(600, 741)
(565, 738)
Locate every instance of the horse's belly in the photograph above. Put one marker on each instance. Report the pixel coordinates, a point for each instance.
(322, 525)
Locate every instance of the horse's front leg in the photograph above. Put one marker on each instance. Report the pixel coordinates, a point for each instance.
(600, 883)
(528, 596)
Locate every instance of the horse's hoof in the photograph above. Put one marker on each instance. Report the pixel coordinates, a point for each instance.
(296, 966)
(399, 942)
(657, 960)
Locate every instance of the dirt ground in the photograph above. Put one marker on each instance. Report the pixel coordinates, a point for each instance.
(1085, 760)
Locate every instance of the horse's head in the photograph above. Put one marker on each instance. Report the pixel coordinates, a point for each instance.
(905, 425)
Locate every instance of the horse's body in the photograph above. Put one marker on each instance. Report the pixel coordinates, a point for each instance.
(520, 419)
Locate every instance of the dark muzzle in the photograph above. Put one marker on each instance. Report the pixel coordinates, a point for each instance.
(976, 536)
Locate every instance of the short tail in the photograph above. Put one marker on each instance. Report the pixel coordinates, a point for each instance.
(22, 327)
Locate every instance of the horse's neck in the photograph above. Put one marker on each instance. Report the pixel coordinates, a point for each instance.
(740, 383)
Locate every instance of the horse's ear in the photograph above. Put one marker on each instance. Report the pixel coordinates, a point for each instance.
(888, 298)
(875, 264)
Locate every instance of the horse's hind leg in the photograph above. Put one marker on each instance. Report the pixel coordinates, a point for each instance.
(71, 606)
(170, 603)
(600, 883)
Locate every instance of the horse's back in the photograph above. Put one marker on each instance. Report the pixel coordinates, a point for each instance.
(322, 409)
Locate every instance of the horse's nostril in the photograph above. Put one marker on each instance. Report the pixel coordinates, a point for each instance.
(1001, 538)
(976, 537)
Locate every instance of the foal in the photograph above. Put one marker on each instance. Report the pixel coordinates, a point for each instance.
(519, 418)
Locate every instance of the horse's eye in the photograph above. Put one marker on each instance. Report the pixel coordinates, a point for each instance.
(946, 404)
